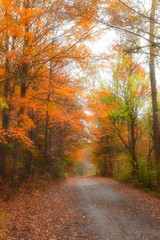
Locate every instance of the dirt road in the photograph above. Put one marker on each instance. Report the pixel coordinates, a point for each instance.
(119, 212)
(81, 208)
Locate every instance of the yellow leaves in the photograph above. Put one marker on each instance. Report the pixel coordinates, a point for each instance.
(3, 103)
(27, 15)
(19, 135)
(2, 71)
(97, 105)
(3, 136)
(6, 4)
(117, 12)
(15, 134)
(12, 55)
(25, 122)
(98, 122)
(85, 23)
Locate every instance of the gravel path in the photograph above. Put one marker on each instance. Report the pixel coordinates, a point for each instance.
(119, 212)
(81, 208)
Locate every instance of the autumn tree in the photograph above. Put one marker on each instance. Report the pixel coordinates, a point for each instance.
(129, 91)
(38, 41)
(121, 106)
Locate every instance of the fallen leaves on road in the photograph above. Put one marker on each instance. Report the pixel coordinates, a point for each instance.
(58, 212)
(53, 214)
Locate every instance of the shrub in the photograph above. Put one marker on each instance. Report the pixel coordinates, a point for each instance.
(122, 168)
(147, 176)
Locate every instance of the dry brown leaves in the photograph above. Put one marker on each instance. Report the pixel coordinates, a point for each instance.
(53, 214)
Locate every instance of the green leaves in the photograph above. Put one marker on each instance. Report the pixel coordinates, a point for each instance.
(3, 103)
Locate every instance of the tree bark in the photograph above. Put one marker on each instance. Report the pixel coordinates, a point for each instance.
(133, 148)
(45, 151)
(24, 79)
(156, 133)
(5, 113)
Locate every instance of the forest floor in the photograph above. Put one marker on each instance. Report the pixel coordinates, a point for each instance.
(81, 208)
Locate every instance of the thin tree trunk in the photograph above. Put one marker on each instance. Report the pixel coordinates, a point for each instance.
(133, 149)
(45, 151)
(5, 114)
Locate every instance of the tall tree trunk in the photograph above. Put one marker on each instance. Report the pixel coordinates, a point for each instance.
(5, 113)
(24, 79)
(47, 147)
(156, 133)
(29, 155)
(45, 151)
